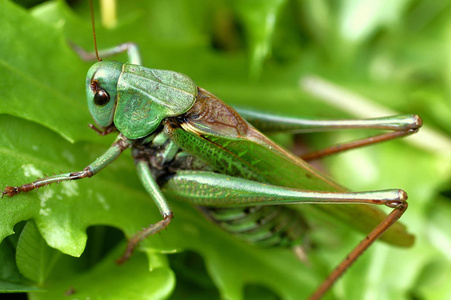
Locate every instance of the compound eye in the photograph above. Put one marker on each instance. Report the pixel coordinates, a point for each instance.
(101, 97)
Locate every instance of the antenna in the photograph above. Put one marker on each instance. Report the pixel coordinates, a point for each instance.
(94, 29)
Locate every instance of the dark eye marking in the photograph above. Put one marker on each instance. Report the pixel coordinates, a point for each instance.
(101, 97)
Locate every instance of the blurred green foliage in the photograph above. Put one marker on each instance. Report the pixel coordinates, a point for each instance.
(255, 54)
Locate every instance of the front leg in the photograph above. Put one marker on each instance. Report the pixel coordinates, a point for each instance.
(120, 144)
(134, 57)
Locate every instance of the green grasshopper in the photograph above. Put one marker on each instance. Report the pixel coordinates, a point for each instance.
(188, 144)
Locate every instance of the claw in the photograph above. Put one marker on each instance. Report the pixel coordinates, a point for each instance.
(125, 256)
(9, 191)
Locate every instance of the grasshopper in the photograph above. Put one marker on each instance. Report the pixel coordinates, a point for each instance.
(189, 145)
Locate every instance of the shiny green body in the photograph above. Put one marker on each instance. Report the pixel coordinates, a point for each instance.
(146, 102)
(188, 144)
(183, 137)
(144, 97)
(231, 146)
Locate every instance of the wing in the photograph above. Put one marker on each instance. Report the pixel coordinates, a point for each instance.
(214, 132)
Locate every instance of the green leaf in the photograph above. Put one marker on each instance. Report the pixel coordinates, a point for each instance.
(108, 280)
(11, 280)
(259, 19)
(38, 77)
(34, 258)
